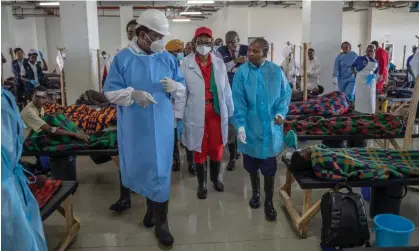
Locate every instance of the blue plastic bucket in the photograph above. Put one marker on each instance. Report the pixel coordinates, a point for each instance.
(392, 230)
(366, 193)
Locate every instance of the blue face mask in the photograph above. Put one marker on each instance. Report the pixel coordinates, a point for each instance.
(216, 47)
(180, 56)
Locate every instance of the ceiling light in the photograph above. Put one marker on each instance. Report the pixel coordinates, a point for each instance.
(49, 4)
(200, 2)
(191, 13)
(181, 20)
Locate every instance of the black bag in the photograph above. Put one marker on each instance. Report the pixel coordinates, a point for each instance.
(344, 223)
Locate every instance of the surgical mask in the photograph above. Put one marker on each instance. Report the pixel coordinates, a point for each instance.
(203, 50)
(180, 56)
(216, 47)
(156, 46)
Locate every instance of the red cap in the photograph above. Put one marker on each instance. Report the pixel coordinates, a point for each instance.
(203, 30)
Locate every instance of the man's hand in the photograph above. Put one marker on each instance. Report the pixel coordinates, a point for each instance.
(241, 135)
(169, 85)
(82, 136)
(335, 81)
(41, 55)
(142, 98)
(34, 82)
(240, 60)
(278, 120)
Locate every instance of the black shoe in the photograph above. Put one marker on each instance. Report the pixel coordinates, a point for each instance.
(201, 171)
(175, 166)
(215, 167)
(254, 202)
(162, 228)
(148, 220)
(121, 205)
(270, 211)
(231, 165)
(192, 168)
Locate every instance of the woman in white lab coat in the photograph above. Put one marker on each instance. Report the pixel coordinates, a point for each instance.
(207, 110)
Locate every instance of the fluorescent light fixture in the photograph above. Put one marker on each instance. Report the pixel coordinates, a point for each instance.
(191, 13)
(49, 4)
(181, 20)
(200, 2)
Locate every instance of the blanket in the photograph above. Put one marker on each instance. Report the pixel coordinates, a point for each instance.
(331, 104)
(42, 141)
(43, 189)
(377, 125)
(88, 119)
(363, 163)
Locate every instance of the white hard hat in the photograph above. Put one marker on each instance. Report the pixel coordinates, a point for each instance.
(33, 51)
(154, 20)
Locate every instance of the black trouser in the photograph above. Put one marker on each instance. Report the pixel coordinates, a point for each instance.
(232, 149)
(176, 153)
(123, 191)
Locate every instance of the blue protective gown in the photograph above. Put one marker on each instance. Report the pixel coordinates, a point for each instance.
(259, 94)
(145, 135)
(21, 224)
(362, 61)
(342, 71)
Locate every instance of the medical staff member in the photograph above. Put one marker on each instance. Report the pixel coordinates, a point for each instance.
(342, 73)
(313, 71)
(189, 48)
(208, 109)
(33, 71)
(290, 66)
(105, 63)
(142, 81)
(261, 95)
(217, 44)
(175, 47)
(383, 60)
(18, 69)
(233, 54)
(410, 77)
(365, 68)
(130, 28)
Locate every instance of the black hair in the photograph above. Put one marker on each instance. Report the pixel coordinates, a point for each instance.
(230, 35)
(132, 22)
(39, 88)
(140, 29)
(311, 49)
(321, 89)
(264, 44)
(16, 50)
(299, 163)
(376, 44)
(349, 44)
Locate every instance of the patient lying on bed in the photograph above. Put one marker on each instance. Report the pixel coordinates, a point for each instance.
(356, 163)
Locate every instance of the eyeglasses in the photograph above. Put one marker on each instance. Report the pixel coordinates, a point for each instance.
(201, 43)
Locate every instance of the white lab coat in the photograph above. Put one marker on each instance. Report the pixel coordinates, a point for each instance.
(194, 110)
(365, 95)
(291, 70)
(313, 73)
(105, 62)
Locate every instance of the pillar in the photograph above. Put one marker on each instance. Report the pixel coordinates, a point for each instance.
(80, 36)
(7, 39)
(126, 14)
(41, 38)
(324, 32)
(365, 28)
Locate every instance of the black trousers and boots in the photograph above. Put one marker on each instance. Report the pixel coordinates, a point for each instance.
(156, 216)
(124, 201)
(202, 173)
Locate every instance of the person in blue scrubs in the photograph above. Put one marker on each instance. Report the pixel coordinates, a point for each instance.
(261, 96)
(342, 74)
(410, 76)
(143, 79)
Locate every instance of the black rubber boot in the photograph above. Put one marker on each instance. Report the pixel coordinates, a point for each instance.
(270, 211)
(148, 220)
(124, 201)
(255, 200)
(232, 149)
(201, 171)
(191, 164)
(215, 167)
(162, 228)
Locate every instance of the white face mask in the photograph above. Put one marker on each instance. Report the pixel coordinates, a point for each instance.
(203, 50)
(156, 46)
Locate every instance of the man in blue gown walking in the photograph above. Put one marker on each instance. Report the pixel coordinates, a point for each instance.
(142, 80)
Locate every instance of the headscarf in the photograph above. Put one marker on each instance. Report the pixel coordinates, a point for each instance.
(174, 45)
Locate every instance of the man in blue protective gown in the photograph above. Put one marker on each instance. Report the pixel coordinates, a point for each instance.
(142, 80)
(261, 95)
(342, 73)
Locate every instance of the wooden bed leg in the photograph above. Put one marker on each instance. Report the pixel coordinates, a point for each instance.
(116, 160)
(289, 179)
(306, 207)
(72, 224)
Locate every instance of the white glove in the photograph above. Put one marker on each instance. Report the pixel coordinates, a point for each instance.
(335, 81)
(142, 98)
(169, 85)
(241, 135)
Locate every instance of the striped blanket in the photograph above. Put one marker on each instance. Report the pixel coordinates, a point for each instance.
(363, 163)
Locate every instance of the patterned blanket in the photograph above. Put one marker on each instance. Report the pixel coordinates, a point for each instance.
(43, 141)
(88, 119)
(363, 163)
(43, 189)
(331, 104)
(377, 125)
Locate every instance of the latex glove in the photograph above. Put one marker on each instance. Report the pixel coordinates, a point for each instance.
(169, 85)
(335, 81)
(41, 55)
(34, 82)
(142, 98)
(241, 135)
(279, 120)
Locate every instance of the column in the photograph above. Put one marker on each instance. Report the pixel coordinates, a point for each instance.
(322, 27)
(7, 39)
(41, 39)
(365, 28)
(80, 33)
(126, 14)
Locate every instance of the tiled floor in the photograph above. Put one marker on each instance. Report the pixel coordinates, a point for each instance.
(223, 222)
